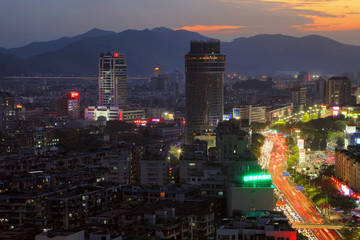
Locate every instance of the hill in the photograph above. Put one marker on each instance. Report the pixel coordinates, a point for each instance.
(165, 48)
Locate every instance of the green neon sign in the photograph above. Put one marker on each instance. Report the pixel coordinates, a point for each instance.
(259, 177)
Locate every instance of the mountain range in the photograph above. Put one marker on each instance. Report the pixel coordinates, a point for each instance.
(165, 48)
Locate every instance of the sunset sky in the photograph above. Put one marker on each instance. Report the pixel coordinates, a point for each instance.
(24, 21)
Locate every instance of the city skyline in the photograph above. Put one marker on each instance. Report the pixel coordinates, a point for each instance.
(223, 19)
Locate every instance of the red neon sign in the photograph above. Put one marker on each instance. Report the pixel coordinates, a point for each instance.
(74, 95)
(116, 55)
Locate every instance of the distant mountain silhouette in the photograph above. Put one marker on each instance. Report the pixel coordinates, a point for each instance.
(271, 53)
(165, 48)
(10, 65)
(37, 48)
(144, 50)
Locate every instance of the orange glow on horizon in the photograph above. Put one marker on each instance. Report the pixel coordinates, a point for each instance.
(325, 15)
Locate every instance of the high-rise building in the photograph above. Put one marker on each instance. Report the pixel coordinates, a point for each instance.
(112, 80)
(69, 106)
(298, 97)
(321, 89)
(7, 112)
(160, 81)
(338, 91)
(204, 77)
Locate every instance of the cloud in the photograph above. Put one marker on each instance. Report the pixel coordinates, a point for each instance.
(218, 29)
(324, 15)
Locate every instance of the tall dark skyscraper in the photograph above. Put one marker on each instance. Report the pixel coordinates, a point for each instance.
(112, 80)
(204, 78)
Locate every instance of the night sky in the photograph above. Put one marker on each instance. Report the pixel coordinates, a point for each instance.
(24, 21)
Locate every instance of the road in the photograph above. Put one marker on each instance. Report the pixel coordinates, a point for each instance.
(304, 209)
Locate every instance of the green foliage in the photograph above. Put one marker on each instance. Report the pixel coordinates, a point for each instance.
(350, 232)
(258, 126)
(327, 170)
(340, 125)
(282, 126)
(305, 118)
(257, 141)
(313, 116)
(340, 142)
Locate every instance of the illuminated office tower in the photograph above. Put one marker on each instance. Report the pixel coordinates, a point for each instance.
(204, 77)
(69, 105)
(112, 80)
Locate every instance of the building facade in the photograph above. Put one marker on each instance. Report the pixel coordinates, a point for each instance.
(204, 77)
(298, 97)
(347, 166)
(7, 112)
(112, 80)
(338, 91)
(251, 112)
(109, 113)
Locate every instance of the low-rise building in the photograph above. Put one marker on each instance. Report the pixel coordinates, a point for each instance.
(154, 165)
(257, 225)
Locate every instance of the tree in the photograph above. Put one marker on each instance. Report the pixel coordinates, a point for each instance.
(313, 116)
(327, 170)
(257, 141)
(340, 142)
(305, 118)
(258, 126)
(350, 232)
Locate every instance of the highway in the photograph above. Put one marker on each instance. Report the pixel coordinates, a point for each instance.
(302, 209)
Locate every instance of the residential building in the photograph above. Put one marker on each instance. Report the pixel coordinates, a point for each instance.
(338, 91)
(119, 165)
(347, 166)
(298, 97)
(69, 210)
(232, 140)
(154, 165)
(192, 161)
(56, 235)
(257, 225)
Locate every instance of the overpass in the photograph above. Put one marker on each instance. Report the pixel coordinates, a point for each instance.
(316, 226)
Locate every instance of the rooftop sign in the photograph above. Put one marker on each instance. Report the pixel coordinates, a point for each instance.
(258, 177)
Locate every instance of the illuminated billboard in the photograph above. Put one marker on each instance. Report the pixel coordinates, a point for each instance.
(301, 143)
(226, 117)
(302, 154)
(257, 177)
(236, 113)
(323, 111)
